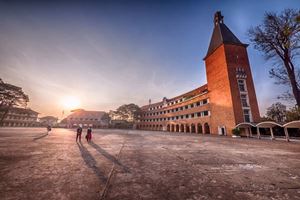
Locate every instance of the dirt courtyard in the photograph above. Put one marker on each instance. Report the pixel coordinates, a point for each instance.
(121, 164)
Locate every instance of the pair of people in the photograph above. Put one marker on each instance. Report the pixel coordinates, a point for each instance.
(88, 134)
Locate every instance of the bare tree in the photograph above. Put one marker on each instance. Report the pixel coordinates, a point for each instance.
(10, 95)
(278, 37)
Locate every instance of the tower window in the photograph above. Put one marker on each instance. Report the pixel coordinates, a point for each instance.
(241, 84)
(244, 100)
(247, 115)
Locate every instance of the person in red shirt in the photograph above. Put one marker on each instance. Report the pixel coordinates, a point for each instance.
(89, 134)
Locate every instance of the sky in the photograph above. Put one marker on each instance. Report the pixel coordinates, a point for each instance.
(109, 53)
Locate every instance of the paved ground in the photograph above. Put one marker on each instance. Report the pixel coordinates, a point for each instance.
(145, 165)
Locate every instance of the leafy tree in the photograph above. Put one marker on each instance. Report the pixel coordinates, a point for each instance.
(105, 117)
(276, 112)
(293, 114)
(265, 118)
(10, 95)
(278, 37)
(128, 112)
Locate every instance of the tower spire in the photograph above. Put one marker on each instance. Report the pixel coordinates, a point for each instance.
(219, 18)
(221, 35)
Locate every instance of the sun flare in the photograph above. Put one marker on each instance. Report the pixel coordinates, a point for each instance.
(70, 102)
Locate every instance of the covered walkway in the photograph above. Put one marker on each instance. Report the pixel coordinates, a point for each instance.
(268, 125)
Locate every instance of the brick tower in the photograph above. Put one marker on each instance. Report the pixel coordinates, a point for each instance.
(229, 80)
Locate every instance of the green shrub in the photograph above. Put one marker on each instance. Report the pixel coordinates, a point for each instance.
(236, 132)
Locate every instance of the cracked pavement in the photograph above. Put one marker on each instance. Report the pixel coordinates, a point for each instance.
(132, 164)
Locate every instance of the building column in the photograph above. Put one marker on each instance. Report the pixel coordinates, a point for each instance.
(196, 128)
(184, 128)
(287, 137)
(272, 134)
(203, 129)
(250, 132)
(190, 128)
(258, 133)
(179, 128)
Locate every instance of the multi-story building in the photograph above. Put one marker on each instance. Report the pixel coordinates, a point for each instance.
(96, 119)
(21, 117)
(48, 120)
(217, 107)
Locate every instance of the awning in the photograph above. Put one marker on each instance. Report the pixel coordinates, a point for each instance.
(292, 124)
(268, 124)
(245, 125)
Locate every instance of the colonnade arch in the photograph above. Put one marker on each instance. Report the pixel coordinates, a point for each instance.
(186, 128)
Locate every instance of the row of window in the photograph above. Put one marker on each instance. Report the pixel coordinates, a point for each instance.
(168, 104)
(20, 118)
(244, 100)
(17, 124)
(175, 101)
(188, 116)
(199, 103)
(18, 113)
(84, 119)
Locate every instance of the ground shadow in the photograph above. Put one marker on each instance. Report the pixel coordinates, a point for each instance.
(40, 137)
(91, 162)
(109, 157)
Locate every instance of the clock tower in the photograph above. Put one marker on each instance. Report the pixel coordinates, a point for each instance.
(229, 80)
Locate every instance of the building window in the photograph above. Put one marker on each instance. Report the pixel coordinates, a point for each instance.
(186, 107)
(244, 100)
(204, 101)
(241, 84)
(198, 103)
(205, 113)
(186, 116)
(192, 115)
(247, 115)
(192, 105)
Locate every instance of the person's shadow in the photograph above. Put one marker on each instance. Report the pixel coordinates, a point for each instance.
(40, 137)
(91, 162)
(109, 157)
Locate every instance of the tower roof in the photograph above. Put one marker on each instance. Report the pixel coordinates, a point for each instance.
(221, 35)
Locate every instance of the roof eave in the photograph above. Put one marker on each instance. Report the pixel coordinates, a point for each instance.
(210, 53)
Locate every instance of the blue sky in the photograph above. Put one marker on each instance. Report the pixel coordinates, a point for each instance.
(108, 53)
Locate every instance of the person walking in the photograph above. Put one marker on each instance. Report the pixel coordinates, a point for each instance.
(89, 134)
(79, 131)
(48, 129)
